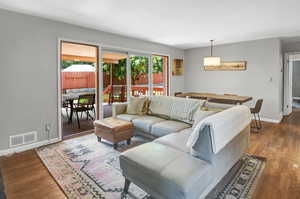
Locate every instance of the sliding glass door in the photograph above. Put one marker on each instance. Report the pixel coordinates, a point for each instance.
(127, 74)
(160, 75)
(149, 75)
(114, 79)
(139, 73)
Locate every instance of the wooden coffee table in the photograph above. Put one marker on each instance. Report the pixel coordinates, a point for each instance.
(114, 130)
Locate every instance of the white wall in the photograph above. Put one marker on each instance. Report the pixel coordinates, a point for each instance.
(262, 79)
(28, 77)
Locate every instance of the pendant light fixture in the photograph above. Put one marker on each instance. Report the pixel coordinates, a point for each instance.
(211, 60)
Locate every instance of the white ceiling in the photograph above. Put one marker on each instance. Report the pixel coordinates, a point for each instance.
(179, 23)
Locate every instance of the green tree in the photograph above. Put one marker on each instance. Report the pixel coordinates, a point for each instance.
(139, 67)
(119, 70)
(157, 64)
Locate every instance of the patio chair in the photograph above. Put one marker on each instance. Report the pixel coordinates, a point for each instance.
(66, 106)
(117, 94)
(85, 104)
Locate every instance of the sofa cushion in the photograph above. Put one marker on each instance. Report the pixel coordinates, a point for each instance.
(183, 109)
(174, 174)
(135, 105)
(160, 106)
(167, 127)
(127, 117)
(176, 140)
(145, 122)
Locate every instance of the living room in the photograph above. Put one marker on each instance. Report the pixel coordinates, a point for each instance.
(262, 39)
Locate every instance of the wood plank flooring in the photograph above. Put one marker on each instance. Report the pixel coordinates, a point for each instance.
(25, 176)
(280, 144)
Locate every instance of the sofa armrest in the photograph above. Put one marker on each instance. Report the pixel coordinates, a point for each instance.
(203, 148)
(118, 108)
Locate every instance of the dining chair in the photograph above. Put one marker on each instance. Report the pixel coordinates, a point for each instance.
(255, 111)
(85, 103)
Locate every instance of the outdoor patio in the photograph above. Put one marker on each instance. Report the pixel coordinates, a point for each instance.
(70, 129)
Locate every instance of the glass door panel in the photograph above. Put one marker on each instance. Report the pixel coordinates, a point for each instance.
(160, 77)
(139, 69)
(114, 80)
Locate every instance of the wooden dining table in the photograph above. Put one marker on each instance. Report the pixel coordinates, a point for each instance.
(225, 99)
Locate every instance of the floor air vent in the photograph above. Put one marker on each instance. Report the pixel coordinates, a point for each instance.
(26, 138)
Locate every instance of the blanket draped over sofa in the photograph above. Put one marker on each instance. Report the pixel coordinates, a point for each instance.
(224, 126)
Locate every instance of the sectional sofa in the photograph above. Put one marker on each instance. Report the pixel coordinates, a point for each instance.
(195, 144)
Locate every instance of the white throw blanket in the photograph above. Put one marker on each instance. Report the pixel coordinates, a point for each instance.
(224, 126)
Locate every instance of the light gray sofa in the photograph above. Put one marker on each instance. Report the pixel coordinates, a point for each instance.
(166, 168)
(166, 116)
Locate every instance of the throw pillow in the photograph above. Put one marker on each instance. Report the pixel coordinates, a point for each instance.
(146, 105)
(160, 106)
(135, 105)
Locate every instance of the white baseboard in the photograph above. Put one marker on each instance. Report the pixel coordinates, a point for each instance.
(271, 120)
(19, 149)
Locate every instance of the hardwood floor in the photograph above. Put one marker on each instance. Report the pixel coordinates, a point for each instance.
(26, 177)
(280, 144)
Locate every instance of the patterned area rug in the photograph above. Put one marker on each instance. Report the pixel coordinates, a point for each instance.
(87, 169)
(241, 180)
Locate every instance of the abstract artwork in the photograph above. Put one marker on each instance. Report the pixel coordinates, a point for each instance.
(177, 67)
(228, 66)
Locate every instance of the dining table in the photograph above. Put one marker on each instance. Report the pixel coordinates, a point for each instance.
(70, 98)
(221, 98)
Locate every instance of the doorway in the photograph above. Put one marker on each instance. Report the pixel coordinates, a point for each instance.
(79, 87)
(291, 83)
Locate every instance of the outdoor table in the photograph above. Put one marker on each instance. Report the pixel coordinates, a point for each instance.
(70, 97)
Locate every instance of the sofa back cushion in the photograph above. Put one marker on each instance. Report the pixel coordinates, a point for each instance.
(183, 109)
(135, 105)
(174, 108)
(160, 106)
